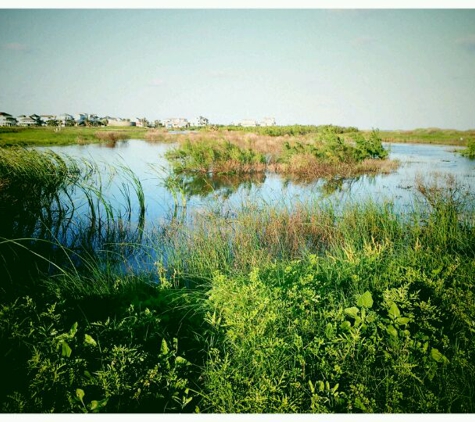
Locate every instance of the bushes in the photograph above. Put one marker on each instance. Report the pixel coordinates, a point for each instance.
(125, 362)
(469, 152)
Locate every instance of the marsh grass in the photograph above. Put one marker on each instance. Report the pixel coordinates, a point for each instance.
(429, 136)
(56, 212)
(327, 156)
(370, 311)
(47, 136)
(266, 308)
(469, 152)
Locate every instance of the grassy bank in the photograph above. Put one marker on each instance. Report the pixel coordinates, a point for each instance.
(317, 308)
(48, 136)
(430, 136)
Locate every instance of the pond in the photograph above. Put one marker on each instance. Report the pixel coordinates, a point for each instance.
(163, 193)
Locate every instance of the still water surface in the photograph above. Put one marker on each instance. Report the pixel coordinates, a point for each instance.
(147, 161)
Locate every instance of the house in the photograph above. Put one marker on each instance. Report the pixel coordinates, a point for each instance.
(7, 119)
(28, 121)
(80, 119)
(65, 119)
(268, 121)
(199, 121)
(176, 123)
(141, 122)
(45, 118)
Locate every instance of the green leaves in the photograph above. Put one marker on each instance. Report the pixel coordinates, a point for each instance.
(438, 357)
(394, 311)
(352, 312)
(65, 349)
(80, 394)
(365, 300)
(89, 340)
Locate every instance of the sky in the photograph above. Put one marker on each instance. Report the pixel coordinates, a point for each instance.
(369, 68)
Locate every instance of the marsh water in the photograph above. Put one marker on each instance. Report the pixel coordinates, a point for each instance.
(164, 193)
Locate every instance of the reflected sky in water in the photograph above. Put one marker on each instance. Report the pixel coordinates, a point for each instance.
(227, 193)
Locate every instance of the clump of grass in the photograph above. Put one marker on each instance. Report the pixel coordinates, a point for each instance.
(111, 136)
(56, 215)
(216, 158)
(469, 152)
(328, 156)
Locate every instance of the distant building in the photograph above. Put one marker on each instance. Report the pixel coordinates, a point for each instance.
(199, 121)
(176, 123)
(28, 121)
(80, 118)
(65, 119)
(45, 118)
(7, 119)
(268, 121)
(141, 122)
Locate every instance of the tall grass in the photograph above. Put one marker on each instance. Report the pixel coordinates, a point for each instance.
(310, 308)
(353, 310)
(56, 212)
(326, 156)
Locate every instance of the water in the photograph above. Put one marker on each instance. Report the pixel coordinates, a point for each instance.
(147, 161)
(226, 195)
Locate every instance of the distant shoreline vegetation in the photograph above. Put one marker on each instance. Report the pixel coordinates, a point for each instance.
(49, 136)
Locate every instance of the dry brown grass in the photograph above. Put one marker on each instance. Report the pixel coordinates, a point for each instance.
(308, 167)
(111, 136)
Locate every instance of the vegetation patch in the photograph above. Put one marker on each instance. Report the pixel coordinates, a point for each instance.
(263, 309)
(327, 156)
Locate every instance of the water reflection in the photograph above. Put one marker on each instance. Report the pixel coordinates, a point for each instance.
(221, 185)
(163, 189)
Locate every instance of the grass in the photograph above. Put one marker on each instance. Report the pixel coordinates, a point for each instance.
(430, 136)
(265, 309)
(326, 156)
(48, 136)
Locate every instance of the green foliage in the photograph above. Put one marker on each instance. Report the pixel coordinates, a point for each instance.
(213, 157)
(296, 339)
(469, 152)
(333, 149)
(54, 135)
(122, 364)
(317, 309)
(291, 130)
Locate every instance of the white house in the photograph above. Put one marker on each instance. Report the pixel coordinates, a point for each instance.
(118, 121)
(141, 122)
(199, 121)
(175, 123)
(268, 121)
(27, 121)
(65, 119)
(45, 118)
(7, 119)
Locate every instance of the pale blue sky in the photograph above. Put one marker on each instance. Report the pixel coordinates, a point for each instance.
(387, 69)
